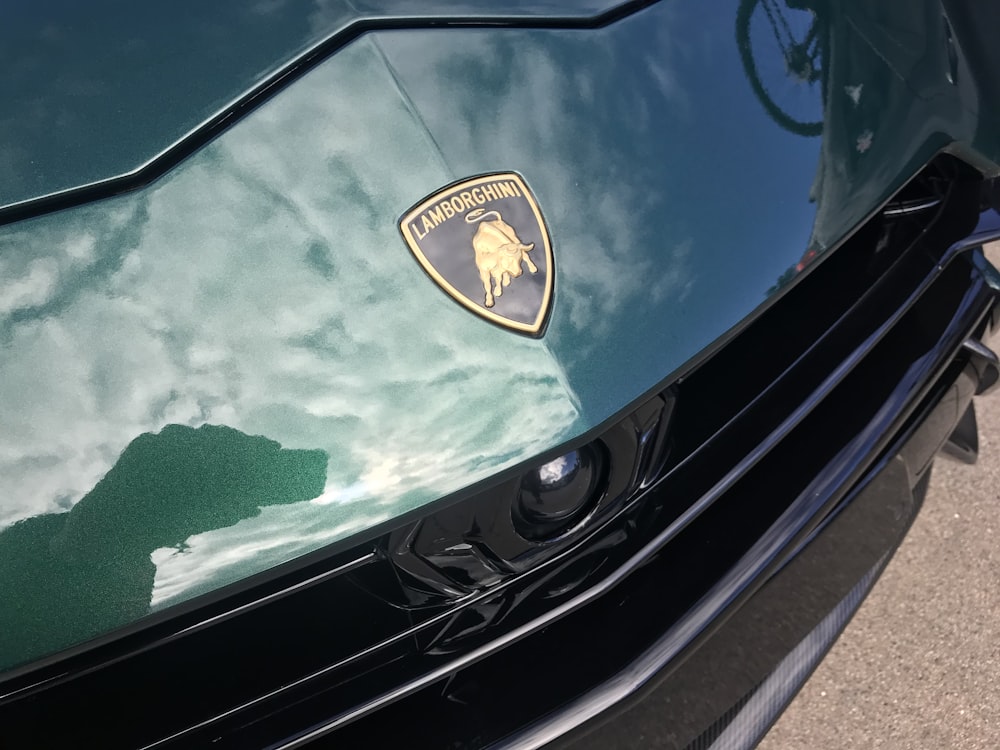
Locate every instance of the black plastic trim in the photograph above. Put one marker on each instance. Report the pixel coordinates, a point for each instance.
(767, 555)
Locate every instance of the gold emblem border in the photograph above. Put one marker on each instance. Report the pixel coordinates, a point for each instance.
(534, 328)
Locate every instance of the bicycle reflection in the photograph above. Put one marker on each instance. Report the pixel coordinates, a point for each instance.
(815, 69)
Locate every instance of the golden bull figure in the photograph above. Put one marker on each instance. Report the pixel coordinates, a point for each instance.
(499, 252)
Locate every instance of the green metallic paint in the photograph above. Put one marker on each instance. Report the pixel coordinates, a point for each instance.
(92, 569)
(95, 90)
(261, 289)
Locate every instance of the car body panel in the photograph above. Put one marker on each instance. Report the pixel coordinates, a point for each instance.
(94, 92)
(258, 297)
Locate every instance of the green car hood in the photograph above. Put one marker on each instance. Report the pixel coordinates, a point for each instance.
(100, 90)
(240, 362)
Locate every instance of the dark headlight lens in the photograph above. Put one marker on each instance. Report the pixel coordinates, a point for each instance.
(559, 493)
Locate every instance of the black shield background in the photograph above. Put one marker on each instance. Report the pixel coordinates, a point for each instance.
(448, 249)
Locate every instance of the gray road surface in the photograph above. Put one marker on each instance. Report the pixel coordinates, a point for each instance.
(919, 666)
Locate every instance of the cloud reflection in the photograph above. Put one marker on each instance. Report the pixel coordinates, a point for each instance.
(261, 286)
(578, 139)
(74, 575)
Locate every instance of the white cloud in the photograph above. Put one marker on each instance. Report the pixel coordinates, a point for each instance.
(196, 302)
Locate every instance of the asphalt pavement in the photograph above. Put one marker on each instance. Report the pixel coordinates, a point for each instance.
(919, 665)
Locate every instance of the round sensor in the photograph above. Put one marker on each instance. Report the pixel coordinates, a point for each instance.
(558, 493)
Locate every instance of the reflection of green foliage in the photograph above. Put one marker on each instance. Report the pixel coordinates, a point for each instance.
(71, 576)
(786, 278)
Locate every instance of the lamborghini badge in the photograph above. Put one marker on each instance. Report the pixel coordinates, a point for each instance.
(484, 242)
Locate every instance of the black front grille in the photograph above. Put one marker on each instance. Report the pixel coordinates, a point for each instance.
(738, 460)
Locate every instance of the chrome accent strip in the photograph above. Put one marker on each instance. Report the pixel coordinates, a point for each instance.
(910, 207)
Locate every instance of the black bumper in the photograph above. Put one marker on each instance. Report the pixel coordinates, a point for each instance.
(728, 684)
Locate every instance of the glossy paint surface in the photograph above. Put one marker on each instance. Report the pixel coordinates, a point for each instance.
(260, 294)
(92, 91)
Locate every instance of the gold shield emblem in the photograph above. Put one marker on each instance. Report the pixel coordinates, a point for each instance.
(484, 242)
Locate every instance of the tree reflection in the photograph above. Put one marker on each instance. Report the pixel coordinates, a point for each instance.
(71, 576)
